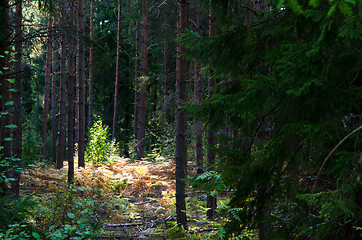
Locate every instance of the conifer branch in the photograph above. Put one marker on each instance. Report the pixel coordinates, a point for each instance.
(250, 9)
(330, 154)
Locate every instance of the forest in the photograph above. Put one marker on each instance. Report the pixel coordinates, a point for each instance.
(187, 119)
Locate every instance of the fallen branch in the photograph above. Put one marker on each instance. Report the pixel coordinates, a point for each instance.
(117, 225)
(203, 230)
(149, 201)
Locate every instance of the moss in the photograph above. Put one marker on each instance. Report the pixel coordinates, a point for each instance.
(175, 232)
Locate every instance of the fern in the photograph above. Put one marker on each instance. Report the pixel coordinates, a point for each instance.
(234, 213)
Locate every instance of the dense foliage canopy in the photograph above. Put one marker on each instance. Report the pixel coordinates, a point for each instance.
(290, 87)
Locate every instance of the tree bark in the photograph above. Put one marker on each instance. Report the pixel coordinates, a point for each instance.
(4, 89)
(91, 56)
(46, 89)
(71, 97)
(62, 105)
(118, 63)
(54, 95)
(181, 148)
(81, 85)
(17, 144)
(198, 86)
(136, 93)
(143, 85)
(211, 201)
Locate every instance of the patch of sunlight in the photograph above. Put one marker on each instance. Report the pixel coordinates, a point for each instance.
(141, 170)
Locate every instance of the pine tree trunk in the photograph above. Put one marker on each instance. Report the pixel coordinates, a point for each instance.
(165, 94)
(71, 97)
(91, 53)
(62, 105)
(165, 66)
(143, 85)
(46, 89)
(118, 63)
(4, 89)
(198, 86)
(136, 93)
(17, 144)
(54, 96)
(81, 85)
(211, 201)
(181, 148)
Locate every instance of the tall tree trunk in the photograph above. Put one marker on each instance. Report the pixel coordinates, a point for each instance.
(165, 65)
(143, 85)
(17, 144)
(46, 89)
(198, 86)
(91, 53)
(211, 201)
(54, 96)
(181, 122)
(118, 63)
(71, 97)
(4, 89)
(81, 85)
(136, 76)
(62, 105)
(165, 94)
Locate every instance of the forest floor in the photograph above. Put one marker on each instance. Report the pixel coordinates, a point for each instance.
(129, 200)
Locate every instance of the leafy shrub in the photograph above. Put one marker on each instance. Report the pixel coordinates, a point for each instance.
(100, 149)
(66, 215)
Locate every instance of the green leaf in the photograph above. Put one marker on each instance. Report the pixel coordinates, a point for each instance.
(10, 80)
(36, 235)
(67, 226)
(8, 139)
(13, 90)
(12, 126)
(9, 103)
(83, 220)
(6, 52)
(71, 215)
(78, 204)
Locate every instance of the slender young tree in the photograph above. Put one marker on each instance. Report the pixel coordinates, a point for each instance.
(48, 68)
(62, 105)
(81, 85)
(211, 201)
(54, 95)
(142, 82)
(181, 122)
(17, 144)
(91, 56)
(118, 63)
(71, 96)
